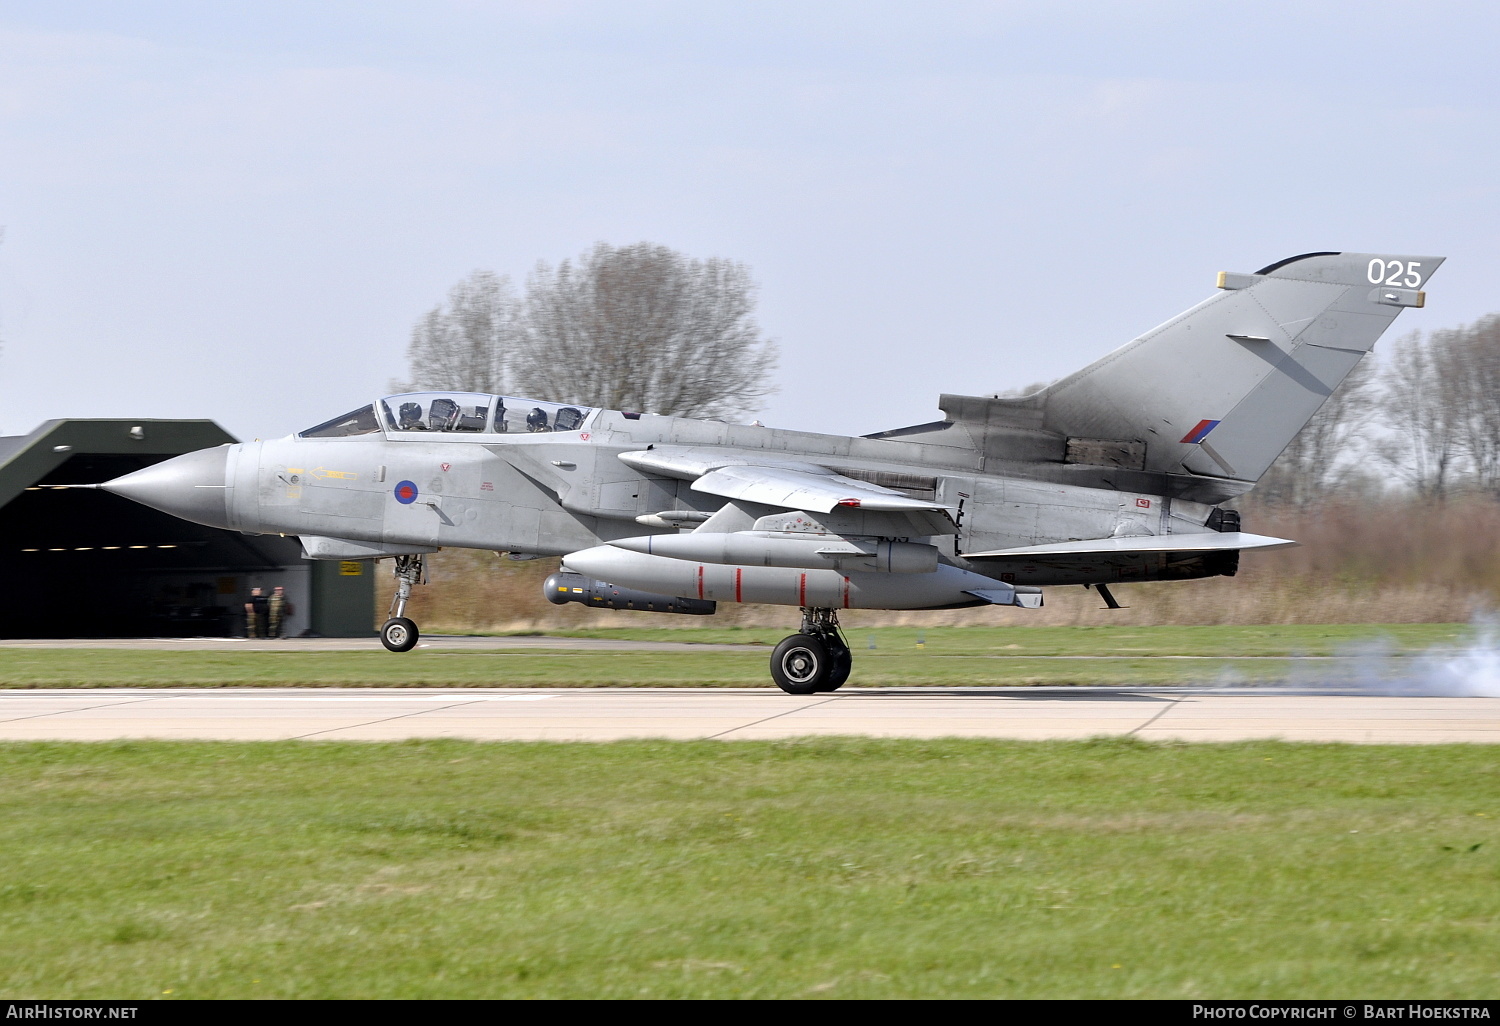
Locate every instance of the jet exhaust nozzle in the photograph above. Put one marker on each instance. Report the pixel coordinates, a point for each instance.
(565, 587)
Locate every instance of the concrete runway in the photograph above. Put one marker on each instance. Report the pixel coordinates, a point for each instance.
(604, 714)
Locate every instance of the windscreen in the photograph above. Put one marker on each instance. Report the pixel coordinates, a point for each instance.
(361, 422)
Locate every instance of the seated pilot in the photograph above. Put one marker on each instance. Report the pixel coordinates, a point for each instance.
(536, 420)
(443, 416)
(567, 419)
(474, 421)
(500, 416)
(411, 418)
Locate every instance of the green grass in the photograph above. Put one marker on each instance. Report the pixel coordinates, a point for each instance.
(832, 867)
(66, 668)
(945, 656)
(1288, 639)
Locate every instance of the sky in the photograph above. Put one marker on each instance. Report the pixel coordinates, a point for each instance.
(238, 210)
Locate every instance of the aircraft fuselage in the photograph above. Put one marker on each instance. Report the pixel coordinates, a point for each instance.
(557, 493)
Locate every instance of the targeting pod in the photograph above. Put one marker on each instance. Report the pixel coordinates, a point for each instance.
(566, 587)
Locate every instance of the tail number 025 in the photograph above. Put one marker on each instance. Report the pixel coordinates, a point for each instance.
(1394, 272)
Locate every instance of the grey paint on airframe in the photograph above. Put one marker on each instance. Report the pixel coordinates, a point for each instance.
(1129, 456)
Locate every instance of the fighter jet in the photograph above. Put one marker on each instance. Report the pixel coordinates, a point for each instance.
(1116, 473)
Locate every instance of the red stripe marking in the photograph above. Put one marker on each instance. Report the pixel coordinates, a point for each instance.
(801, 589)
(738, 573)
(700, 580)
(846, 593)
(1194, 435)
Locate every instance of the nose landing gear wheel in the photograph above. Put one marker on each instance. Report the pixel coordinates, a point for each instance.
(801, 664)
(399, 634)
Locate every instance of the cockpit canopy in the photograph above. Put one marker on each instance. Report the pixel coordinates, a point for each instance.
(438, 411)
(466, 412)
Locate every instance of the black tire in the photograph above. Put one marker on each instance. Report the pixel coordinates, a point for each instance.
(841, 664)
(800, 665)
(399, 634)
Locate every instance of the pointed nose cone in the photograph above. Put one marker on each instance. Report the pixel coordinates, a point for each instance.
(192, 486)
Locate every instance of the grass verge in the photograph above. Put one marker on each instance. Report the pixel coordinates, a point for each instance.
(830, 867)
(532, 668)
(1280, 639)
(906, 657)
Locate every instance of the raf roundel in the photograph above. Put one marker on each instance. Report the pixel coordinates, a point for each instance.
(406, 493)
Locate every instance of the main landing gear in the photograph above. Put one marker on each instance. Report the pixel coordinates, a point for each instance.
(815, 659)
(400, 634)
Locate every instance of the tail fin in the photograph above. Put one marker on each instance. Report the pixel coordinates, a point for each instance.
(1220, 391)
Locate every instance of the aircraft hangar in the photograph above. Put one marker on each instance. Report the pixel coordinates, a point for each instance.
(84, 563)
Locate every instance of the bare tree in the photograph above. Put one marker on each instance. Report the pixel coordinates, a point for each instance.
(466, 343)
(1438, 398)
(644, 328)
(1319, 459)
(1425, 446)
(1467, 360)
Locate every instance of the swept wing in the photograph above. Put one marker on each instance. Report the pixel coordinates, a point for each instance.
(791, 485)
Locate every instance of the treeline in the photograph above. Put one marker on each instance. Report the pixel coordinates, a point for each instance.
(1425, 423)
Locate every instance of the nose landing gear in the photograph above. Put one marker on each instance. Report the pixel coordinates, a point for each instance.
(814, 660)
(398, 633)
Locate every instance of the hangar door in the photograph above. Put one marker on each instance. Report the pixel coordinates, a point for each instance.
(86, 563)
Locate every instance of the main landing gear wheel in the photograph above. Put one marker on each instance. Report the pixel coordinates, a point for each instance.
(815, 659)
(399, 634)
(841, 664)
(801, 664)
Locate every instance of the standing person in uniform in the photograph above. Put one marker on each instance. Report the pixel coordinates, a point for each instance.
(257, 614)
(280, 608)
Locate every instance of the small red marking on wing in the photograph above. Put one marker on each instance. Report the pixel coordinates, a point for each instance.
(1143, 503)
